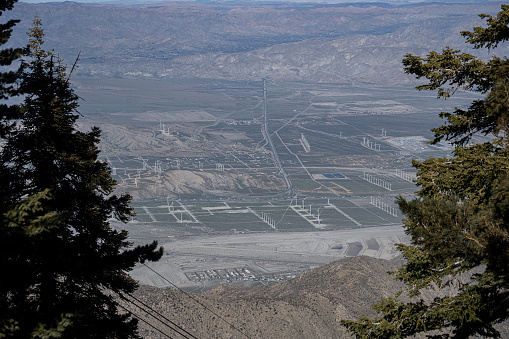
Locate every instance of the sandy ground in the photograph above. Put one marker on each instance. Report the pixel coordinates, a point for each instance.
(265, 253)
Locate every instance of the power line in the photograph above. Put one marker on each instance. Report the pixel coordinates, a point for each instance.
(143, 320)
(161, 315)
(196, 300)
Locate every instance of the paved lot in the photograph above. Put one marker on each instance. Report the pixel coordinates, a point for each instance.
(266, 252)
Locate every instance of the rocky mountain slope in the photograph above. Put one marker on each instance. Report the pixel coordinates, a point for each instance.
(309, 306)
(339, 43)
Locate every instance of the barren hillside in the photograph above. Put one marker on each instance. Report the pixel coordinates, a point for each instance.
(309, 306)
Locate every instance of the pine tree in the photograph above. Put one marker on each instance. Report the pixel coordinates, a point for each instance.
(63, 259)
(7, 78)
(459, 222)
(8, 55)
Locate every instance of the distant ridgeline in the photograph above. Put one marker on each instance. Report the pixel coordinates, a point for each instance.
(340, 43)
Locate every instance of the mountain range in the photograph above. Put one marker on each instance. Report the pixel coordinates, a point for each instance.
(328, 43)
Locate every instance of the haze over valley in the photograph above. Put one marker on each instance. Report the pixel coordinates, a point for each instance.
(245, 187)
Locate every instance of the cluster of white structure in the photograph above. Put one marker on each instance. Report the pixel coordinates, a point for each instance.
(145, 164)
(163, 129)
(306, 213)
(305, 143)
(158, 170)
(377, 181)
(265, 217)
(176, 209)
(370, 144)
(405, 176)
(384, 207)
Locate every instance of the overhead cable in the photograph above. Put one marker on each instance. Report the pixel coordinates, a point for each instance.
(196, 300)
(187, 334)
(143, 320)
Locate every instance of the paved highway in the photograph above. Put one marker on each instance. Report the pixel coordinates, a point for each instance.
(266, 134)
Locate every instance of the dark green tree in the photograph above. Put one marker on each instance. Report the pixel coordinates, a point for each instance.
(7, 78)
(61, 262)
(459, 222)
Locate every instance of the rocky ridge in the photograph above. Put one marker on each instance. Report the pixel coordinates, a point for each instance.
(309, 306)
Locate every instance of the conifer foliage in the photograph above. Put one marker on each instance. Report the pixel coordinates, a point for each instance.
(60, 260)
(459, 222)
(7, 78)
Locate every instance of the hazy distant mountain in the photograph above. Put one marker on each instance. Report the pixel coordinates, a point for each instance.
(354, 42)
(147, 2)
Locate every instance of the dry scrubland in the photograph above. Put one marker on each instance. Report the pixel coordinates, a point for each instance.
(309, 306)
